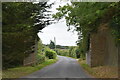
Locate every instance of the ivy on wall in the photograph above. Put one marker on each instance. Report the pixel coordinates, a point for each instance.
(87, 17)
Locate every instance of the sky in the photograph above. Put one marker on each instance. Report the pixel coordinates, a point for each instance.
(58, 30)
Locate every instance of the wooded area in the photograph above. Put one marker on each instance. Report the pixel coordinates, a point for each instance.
(87, 19)
(21, 23)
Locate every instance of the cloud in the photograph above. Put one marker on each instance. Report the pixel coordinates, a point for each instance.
(58, 30)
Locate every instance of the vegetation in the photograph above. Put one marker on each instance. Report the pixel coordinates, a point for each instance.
(86, 17)
(101, 71)
(63, 52)
(50, 54)
(21, 23)
(59, 46)
(52, 45)
(40, 58)
(44, 53)
(23, 71)
(40, 53)
(78, 54)
(62, 47)
(71, 51)
(42, 61)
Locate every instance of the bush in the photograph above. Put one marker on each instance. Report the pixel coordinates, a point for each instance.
(72, 52)
(63, 52)
(77, 52)
(40, 58)
(50, 54)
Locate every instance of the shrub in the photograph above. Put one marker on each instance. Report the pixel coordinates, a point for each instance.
(77, 51)
(72, 52)
(50, 54)
(40, 58)
(63, 52)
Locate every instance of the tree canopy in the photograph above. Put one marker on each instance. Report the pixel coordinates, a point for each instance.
(87, 16)
(21, 22)
(52, 45)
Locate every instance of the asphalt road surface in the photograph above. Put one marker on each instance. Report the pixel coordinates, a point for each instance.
(65, 67)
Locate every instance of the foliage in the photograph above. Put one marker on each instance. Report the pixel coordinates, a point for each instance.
(21, 22)
(46, 48)
(41, 52)
(40, 45)
(25, 16)
(77, 51)
(59, 46)
(72, 52)
(86, 17)
(115, 25)
(52, 45)
(42, 55)
(62, 47)
(83, 46)
(13, 52)
(63, 52)
(40, 58)
(51, 54)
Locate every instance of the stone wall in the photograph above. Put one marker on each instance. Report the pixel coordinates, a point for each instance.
(112, 57)
(31, 59)
(102, 48)
(88, 58)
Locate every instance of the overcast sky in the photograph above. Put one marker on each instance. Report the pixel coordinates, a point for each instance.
(58, 30)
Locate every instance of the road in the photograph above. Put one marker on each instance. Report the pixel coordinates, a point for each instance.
(65, 67)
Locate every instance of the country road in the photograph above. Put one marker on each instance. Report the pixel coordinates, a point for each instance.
(65, 67)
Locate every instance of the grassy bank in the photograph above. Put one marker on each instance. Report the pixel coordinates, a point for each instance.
(23, 71)
(101, 71)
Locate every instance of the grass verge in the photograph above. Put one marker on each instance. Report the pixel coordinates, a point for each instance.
(23, 71)
(101, 71)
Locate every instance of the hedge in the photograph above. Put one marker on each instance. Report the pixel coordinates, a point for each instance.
(50, 54)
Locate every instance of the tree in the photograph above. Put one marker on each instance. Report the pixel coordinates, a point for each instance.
(52, 45)
(77, 53)
(21, 23)
(86, 17)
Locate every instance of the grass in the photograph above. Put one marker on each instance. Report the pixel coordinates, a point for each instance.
(100, 71)
(23, 71)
